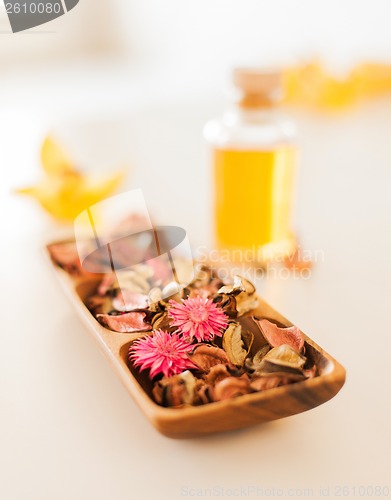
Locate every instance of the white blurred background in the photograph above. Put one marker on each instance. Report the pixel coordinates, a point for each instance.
(133, 82)
(126, 82)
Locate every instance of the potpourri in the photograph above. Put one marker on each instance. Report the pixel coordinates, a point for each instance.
(204, 342)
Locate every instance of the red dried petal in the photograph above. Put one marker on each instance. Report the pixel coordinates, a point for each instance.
(277, 336)
(125, 323)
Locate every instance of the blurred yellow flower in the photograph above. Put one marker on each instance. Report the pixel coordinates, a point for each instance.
(311, 85)
(64, 192)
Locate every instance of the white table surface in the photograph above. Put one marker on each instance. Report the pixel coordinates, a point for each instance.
(69, 430)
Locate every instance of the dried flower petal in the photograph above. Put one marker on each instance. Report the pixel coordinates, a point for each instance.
(161, 353)
(277, 336)
(65, 255)
(125, 323)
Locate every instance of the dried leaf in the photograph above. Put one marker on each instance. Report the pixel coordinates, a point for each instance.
(238, 298)
(217, 373)
(282, 358)
(253, 364)
(235, 345)
(205, 356)
(227, 304)
(162, 321)
(231, 387)
(233, 289)
(246, 303)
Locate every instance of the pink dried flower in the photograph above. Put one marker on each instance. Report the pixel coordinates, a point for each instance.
(161, 353)
(198, 317)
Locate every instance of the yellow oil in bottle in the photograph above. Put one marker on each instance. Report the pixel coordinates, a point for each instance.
(254, 168)
(253, 197)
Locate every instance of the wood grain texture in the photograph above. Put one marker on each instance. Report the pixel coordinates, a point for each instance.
(235, 413)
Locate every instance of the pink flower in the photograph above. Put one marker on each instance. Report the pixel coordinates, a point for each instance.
(198, 317)
(161, 352)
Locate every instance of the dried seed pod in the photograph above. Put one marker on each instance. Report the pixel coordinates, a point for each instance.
(277, 336)
(231, 387)
(177, 390)
(236, 343)
(205, 356)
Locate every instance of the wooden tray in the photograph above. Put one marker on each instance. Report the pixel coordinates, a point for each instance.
(234, 413)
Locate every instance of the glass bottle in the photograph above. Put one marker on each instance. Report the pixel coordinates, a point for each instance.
(254, 163)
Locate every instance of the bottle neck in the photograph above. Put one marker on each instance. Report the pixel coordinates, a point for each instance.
(252, 115)
(255, 101)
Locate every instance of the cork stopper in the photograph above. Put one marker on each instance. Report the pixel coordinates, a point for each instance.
(260, 87)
